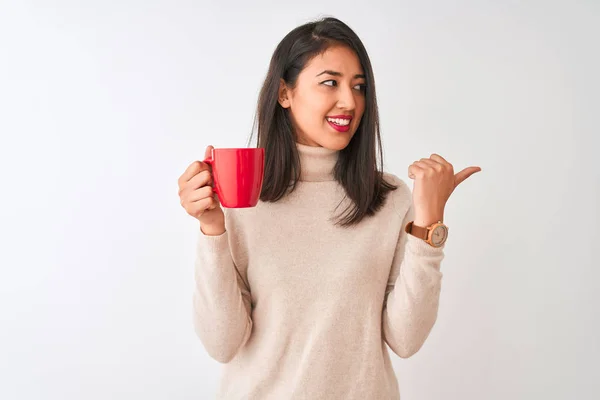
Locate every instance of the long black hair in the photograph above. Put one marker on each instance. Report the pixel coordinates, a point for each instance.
(356, 169)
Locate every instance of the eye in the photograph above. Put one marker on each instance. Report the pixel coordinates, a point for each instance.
(330, 82)
(362, 87)
(333, 83)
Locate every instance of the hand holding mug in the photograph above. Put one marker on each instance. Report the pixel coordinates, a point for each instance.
(197, 196)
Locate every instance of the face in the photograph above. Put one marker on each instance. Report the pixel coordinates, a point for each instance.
(328, 101)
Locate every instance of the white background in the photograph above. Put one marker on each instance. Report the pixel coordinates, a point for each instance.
(104, 104)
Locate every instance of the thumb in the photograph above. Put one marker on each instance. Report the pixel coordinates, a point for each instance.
(208, 152)
(464, 174)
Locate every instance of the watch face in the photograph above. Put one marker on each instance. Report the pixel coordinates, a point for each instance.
(439, 235)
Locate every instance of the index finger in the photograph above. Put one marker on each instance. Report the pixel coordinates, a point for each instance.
(192, 170)
(440, 159)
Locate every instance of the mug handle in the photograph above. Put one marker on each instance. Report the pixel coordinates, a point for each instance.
(210, 161)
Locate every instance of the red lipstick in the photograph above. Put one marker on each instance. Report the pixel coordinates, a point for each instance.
(340, 128)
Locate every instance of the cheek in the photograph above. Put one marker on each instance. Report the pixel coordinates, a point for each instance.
(317, 108)
(360, 105)
(309, 111)
(360, 110)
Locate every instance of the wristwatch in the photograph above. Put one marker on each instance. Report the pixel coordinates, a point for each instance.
(435, 234)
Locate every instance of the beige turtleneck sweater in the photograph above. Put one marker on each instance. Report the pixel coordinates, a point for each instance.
(298, 308)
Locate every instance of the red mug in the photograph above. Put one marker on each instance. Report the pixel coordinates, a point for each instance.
(237, 175)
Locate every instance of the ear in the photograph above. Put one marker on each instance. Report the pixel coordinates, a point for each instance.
(283, 96)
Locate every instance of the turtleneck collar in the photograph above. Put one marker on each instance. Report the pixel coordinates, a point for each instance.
(316, 163)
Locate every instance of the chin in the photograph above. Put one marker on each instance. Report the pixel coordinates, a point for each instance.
(331, 140)
(337, 145)
(338, 141)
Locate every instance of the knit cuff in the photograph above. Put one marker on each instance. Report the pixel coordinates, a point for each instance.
(419, 247)
(215, 245)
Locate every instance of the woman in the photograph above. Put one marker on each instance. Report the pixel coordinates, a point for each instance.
(299, 295)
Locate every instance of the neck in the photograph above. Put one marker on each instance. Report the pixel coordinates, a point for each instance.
(316, 163)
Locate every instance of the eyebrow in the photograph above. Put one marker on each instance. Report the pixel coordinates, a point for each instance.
(335, 73)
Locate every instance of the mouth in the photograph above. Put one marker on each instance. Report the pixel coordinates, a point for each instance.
(340, 123)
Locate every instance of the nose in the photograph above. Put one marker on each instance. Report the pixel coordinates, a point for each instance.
(346, 99)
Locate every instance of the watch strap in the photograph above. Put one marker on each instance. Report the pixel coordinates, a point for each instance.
(418, 231)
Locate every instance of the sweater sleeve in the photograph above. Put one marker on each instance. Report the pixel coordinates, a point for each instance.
(413, 292)
(221, 301)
